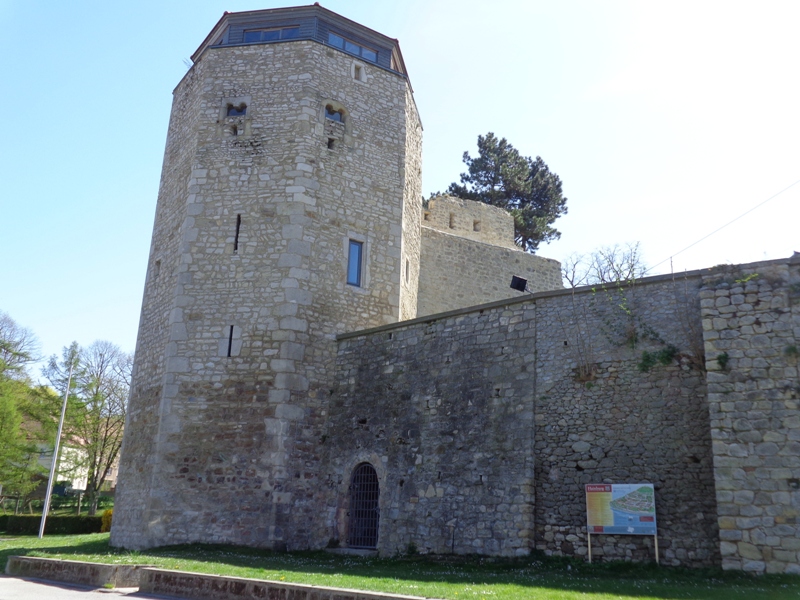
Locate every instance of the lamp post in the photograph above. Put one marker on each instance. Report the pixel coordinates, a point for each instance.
(50, 481)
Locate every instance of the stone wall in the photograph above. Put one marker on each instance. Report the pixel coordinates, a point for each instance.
(484, 424)
(470, 219)
(751, 323)
(461, 267)
(164, 268)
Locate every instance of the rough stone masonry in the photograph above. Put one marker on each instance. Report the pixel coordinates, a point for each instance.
(298, 385)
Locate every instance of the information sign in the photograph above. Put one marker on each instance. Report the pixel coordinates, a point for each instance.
(627, 508)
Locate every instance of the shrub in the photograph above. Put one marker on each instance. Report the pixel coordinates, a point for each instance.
(29, 525)
(107, 515)
(664, 356)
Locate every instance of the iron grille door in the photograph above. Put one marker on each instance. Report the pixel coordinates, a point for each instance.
(363, 527)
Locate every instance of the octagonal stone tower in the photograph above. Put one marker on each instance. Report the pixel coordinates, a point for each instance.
(289, 211)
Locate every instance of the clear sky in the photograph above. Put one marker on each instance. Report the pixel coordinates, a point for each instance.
(664, 119)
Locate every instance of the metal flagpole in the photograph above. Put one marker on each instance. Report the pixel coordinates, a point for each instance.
(46, 506)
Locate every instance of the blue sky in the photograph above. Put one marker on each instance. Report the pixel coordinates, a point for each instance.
(665, 120)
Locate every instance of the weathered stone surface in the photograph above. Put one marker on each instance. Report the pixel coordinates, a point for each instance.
(180, 584)
(511, 419)
(758, 446)
(84, 573)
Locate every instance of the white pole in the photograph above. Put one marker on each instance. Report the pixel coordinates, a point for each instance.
(50, 481)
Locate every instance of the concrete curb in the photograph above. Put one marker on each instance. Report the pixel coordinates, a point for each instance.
(72, 571)
(196, 586)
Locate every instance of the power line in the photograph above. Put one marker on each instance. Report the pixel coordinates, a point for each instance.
(726, 224)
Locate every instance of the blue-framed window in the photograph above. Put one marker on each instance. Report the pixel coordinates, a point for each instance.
(338, 41)
(271, 35)
(355, 259)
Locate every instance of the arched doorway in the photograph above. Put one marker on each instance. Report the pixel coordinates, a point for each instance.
(362, 531)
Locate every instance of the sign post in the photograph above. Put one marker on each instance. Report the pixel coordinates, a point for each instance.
(620, 509)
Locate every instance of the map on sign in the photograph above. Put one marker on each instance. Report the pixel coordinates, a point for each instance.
(621, 508)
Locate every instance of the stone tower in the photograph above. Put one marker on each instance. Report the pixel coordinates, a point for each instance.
(288, 212)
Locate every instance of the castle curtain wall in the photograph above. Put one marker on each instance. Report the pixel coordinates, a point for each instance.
(489, 421)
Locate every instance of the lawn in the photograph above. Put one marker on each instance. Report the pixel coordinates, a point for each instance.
(454, 578)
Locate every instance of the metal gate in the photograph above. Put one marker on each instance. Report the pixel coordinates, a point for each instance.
(364, 512)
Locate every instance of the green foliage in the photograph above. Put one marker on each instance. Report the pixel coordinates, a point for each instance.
(525, 187)
(746, 278)
(664, 356)
(791, 351)
(29, 525)
(25, 412)
(722, 360)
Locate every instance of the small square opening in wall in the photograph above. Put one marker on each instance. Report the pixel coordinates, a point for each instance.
(426, 216)
(331, 143)
(476, 226)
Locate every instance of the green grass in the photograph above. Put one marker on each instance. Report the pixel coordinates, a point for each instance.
(454, 578)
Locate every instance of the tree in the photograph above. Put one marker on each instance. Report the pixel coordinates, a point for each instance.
(96, 408)
(18, 347)
(610, 264)
(25, 413)
(525, 187)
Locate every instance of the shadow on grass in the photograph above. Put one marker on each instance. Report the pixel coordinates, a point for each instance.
(546, 573)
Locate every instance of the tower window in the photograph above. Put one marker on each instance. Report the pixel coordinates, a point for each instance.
(452, 221)
(338, 41)
(230, 341)
(236, 111)
(408, 270)
(271, 35)
(355, 255)
(334, 115)
(476, 226)
(331, 142)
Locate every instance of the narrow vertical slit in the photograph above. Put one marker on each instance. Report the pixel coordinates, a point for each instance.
(331, 142)
(230, 341)
(236, 237)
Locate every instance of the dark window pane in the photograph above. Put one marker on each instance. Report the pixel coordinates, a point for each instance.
(354, 263)
(335, 40)
(268, 36)
(237, 111)
(369, 55)
(252, 36)
(290, 33)
(351, 47)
